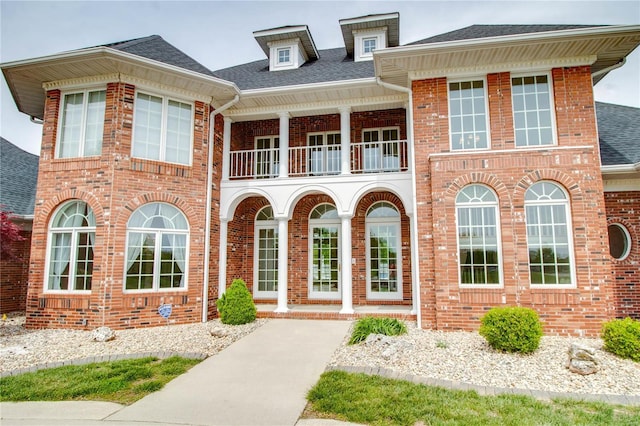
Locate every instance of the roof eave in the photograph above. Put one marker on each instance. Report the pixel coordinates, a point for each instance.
(25, 78)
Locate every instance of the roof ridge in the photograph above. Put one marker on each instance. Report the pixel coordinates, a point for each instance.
(133, 41)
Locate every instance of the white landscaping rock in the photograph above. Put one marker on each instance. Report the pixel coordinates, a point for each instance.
(103, 334)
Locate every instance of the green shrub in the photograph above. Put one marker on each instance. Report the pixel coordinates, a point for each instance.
(371, 325)
(512, 329)
(622, 338)
(236, 304)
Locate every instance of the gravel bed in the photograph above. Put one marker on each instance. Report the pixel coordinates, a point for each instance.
(457, 356)
(466, 357)
(21, 348)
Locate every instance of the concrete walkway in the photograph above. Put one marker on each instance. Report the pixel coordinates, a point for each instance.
(261, 379)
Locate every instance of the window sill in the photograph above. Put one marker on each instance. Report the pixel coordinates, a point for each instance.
(161, 168)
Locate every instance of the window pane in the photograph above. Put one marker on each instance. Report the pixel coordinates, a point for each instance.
(619, 241)
(532, 111)
(95, 123)
(178, 138)
(147, 128)
(467, 115)
(71, 131)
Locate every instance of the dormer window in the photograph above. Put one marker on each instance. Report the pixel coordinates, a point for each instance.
(367, 42)
(287, 47)
(284, 55)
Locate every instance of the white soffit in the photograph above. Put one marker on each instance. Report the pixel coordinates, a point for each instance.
(600, 47)
(301, 32)
(26, 78)
(389, 20)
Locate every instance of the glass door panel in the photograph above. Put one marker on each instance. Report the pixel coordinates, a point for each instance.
(325, 259)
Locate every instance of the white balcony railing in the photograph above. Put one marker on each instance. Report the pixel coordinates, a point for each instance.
(365, 157)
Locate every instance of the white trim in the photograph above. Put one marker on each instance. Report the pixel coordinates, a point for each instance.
(259, 225)
(83, 123)
(566, 203)
(510, 151)
(81, 83)
(397, 223)
(369, 18)
(320, 295)
(163, 127)
(629, 244)
(155, 287)
(552, 107)
(359, 38)
(486, 113)
(496, 209)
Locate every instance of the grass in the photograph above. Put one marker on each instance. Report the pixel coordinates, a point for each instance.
(374, 400)
(374, 325)
(123, 382)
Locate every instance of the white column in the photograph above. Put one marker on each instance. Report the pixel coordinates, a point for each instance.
(345, 278)
(283, 262)
(345, 140)
(284, 144)
(226, 148)
(222, 257)
(415, 288)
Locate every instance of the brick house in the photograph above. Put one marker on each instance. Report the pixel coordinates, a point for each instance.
(429, 181)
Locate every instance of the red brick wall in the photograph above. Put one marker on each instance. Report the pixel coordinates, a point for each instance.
(575, 167)
(114, 185)
(624, 208)
(15, 275)
(240, 249)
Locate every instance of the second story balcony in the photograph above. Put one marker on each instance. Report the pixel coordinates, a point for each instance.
(327, 160)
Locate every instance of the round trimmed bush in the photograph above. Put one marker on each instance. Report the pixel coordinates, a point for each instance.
(622, 338)
(236, 304)
(512, 329)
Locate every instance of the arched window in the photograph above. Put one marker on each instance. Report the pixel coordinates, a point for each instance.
(266, 254)
(549, 235)
(478, 236)
(72, 236)
(157, 248)
(619, 241)
(384, 252)
(324, 242)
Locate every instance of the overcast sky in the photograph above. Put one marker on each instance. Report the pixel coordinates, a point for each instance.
(218, 34)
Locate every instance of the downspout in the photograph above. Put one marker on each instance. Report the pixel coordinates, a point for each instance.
(207, 221)
(414, 217)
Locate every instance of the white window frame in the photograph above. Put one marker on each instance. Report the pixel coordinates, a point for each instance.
(496, 210)
(274, 157)
(270, 224)
(391, 221)
(326, 151)
(163, 127)
(567, 207)
(83, 124)
(279, 50)
(155, 288)
(297, 55)
(554, 134)
(627, 235)
(320, 295)
(359, 37)
(486, 113)
(73, 252)
(379, 153)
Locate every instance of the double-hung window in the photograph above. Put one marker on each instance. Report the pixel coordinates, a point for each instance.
(478, 236)
(71, 234)
(81, 124)
(468, 115)
(549, 235)
(157, 248)
(163, 129)
(532, 110)
(266, 255)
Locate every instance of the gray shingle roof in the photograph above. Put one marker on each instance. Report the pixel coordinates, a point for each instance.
(484, 31)
(156, 48)
(18, 178)
(619, 131)
(333, 65)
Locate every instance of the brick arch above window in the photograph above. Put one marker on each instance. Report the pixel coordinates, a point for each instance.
(487, 179)
(634, 236)
(564, 180)
(156, 197)
(49, 208)
(371, 198)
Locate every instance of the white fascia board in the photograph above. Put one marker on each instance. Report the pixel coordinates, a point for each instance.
(498, 41)
(281, 30)
(361, 82)
(102, 51)
(620, 168)
(372, 18)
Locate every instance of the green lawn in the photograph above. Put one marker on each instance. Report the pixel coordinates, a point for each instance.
(374, 400)
(120, 381)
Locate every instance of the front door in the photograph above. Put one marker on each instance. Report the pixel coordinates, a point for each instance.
(325, 261)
